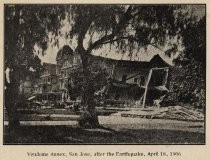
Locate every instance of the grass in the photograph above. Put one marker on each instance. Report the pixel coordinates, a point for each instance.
(76, 135)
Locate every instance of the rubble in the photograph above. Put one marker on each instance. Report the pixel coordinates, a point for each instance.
(171, 112)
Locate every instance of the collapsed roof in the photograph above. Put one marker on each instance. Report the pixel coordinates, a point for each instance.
(155, 62)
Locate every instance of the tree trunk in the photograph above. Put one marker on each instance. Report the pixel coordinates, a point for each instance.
(11, 100)
(12, 87)
(89, 118)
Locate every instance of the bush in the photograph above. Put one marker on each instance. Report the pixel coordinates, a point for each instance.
(186, 85)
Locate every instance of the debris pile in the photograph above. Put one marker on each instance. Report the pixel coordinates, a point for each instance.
(171, 112)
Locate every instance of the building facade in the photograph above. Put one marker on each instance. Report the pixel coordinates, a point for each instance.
(142, 81)
(130, 80)
(48, 79)
(67, 60)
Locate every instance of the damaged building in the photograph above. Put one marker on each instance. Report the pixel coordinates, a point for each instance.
(128, 82)
(142, 82)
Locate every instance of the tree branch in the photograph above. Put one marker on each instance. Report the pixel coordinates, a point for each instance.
(123, 21)
(122, 24)
(120, 38)
(130, 38)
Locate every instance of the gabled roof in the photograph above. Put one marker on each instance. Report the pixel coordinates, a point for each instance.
(65, 50)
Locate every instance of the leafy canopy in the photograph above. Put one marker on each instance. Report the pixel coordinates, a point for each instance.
(125, 26)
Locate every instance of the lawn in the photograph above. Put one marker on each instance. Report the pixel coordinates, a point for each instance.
(110, 134)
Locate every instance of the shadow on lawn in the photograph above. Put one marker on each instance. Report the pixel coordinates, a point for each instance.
(75, 135)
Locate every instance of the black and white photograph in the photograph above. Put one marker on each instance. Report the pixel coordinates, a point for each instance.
(107, 74)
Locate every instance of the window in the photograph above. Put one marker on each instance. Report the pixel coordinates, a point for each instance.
(135, 80)
(124, 78)
(142, 81)
(78, 61)
(45, 72)
(57, 70)
(61, 83)
(70, 62)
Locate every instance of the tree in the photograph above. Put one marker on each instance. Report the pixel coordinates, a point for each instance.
(187, 81)
(121, 25)
(19, 56)
(126, 26)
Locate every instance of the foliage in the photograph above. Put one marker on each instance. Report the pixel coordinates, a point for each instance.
(97, 77)
(186, 86)
(187, 83)
(194, 40)
(25, 27)
(126, 26)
